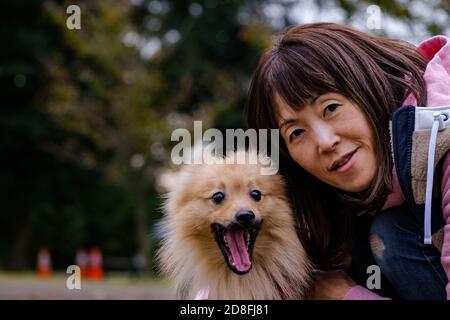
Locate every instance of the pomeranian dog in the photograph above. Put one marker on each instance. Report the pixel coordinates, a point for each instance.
(229, 233)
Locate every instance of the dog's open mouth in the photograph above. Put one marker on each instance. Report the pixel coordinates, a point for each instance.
(236, 244)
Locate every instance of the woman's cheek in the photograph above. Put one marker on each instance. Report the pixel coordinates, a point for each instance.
(307, 162)
(295, 154)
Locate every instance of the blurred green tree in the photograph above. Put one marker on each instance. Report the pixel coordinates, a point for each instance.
(74, 113)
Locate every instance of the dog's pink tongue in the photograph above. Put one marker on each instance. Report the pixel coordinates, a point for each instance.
(238, 248)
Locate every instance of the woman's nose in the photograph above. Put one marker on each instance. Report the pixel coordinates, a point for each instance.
(327, 139)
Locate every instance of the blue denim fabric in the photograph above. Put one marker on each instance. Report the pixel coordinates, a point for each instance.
(362, 258)
(412, 268)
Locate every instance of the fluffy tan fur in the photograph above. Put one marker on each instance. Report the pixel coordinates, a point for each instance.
(190, 256)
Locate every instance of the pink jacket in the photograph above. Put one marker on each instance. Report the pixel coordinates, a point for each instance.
(437, 77)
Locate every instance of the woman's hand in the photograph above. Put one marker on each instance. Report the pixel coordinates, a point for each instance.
(332, 285)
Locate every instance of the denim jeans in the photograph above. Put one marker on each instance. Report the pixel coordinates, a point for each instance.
(409, 268)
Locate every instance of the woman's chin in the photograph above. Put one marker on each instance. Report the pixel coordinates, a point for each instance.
(356, 186)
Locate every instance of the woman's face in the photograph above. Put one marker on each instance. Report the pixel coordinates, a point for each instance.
(331, 139)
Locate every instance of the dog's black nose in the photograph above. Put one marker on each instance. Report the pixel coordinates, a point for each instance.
(245, 217)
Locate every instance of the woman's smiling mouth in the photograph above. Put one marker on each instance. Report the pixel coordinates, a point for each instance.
(344, 163)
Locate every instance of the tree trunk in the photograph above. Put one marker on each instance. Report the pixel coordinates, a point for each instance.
(17, 254)
(142, 232)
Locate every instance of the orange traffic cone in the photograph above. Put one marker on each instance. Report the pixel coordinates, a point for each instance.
(44, 263)
(95, 266)
(82, 261)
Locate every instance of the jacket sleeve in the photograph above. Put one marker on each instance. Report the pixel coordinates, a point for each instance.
(202, 294)
(445, 187)
(360, 293)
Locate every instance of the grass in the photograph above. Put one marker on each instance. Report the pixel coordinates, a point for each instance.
(110, 278)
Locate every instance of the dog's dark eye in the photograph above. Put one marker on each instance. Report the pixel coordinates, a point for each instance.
(218, 197)
(256, 195)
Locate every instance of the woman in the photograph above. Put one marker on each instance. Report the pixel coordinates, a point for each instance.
(338, 95)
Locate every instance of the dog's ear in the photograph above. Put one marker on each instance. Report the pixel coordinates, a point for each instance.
(170, 179)
(167, 179)
(206, 154)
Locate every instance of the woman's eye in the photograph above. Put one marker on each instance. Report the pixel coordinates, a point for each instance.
(218, 197)
(331, 107)
(295, 134)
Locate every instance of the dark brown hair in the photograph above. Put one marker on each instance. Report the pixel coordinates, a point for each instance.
(374, 72)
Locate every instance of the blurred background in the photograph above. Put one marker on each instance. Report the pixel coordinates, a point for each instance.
(87, 114)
